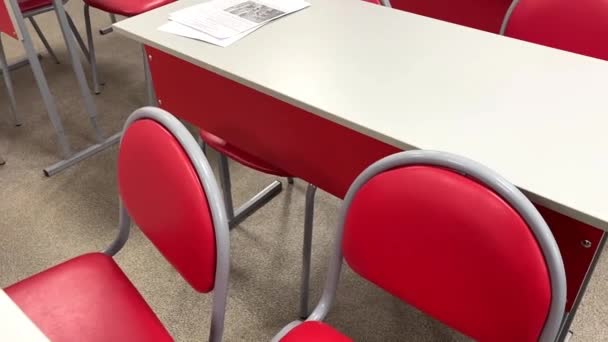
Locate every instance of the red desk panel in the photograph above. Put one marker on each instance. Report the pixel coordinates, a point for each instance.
(308, 146)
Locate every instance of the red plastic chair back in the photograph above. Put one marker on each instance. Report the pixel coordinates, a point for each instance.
(6, 22)
(451, 247)
(577, 26)
(484, 15)
(162, 192)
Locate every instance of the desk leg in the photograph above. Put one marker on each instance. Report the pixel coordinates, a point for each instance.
(77, 66)
(565, 329)
(9, 85)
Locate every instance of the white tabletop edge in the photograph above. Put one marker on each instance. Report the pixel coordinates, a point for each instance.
(563, 207)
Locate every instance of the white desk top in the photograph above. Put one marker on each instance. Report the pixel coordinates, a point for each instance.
(15, 325)
(536, 115)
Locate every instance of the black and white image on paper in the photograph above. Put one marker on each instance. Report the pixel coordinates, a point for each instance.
(254, 11)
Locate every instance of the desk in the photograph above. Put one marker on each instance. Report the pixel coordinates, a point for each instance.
(15, 325)
(327, 91)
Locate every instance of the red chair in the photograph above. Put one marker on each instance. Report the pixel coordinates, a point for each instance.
(127, 8)
(28, 9)
(166, 185)
(453, 239)
(575, 26)
(484, 15)
(226, 150)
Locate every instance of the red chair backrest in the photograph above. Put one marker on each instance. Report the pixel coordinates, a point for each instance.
(6, 22)
(577, 26)
(484, 15)
(451, 247)
(162, 192)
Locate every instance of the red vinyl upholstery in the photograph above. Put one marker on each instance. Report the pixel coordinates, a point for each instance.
(87, 298)
(484, 15)
(239, 155)
(314, 331)
(30, 5)
(576, 26)
(163, 194)
(6, 24)
(452, 248)
(127, 8)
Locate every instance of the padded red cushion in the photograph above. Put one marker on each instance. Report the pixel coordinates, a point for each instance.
(577, 26)
(163, 194)
(127, 8)
(484, 15)
(313, 331)
(239, 155)
(29, 5)
(452, 248)
(87, 298)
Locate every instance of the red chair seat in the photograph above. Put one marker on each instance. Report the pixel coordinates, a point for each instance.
(314, 331)
(244, 158)
(128, 8)
(87, 298)
(30, 5)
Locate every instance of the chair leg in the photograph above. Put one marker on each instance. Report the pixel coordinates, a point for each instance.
(78, 37)
(9, 85)
(92, 59)
(85, 92)
(202, 144)
(224, 174)
(49, 101)
(307, 249)
(46, 44)
(290, 180)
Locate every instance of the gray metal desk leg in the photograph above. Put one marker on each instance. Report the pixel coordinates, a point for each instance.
(49, 102)
(9, 84)
(78, 70)
(565, 332)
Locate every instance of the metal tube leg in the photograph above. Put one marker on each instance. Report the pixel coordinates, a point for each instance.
(49, 102)
(307, 249)
(92, 58)
(46, 44)
(148, 79)
(113, 18)
(77, 37)
(290, 180)
(9, 85)
(77, 66)
(226, 186)
(202, 144)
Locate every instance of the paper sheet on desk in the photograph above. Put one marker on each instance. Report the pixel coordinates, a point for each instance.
(186, 31)
(227, 18)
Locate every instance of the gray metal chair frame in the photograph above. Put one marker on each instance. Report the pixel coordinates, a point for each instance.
(70, 34)
(485, 176)
(97, 83)
(256, 202)
(216, 205)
